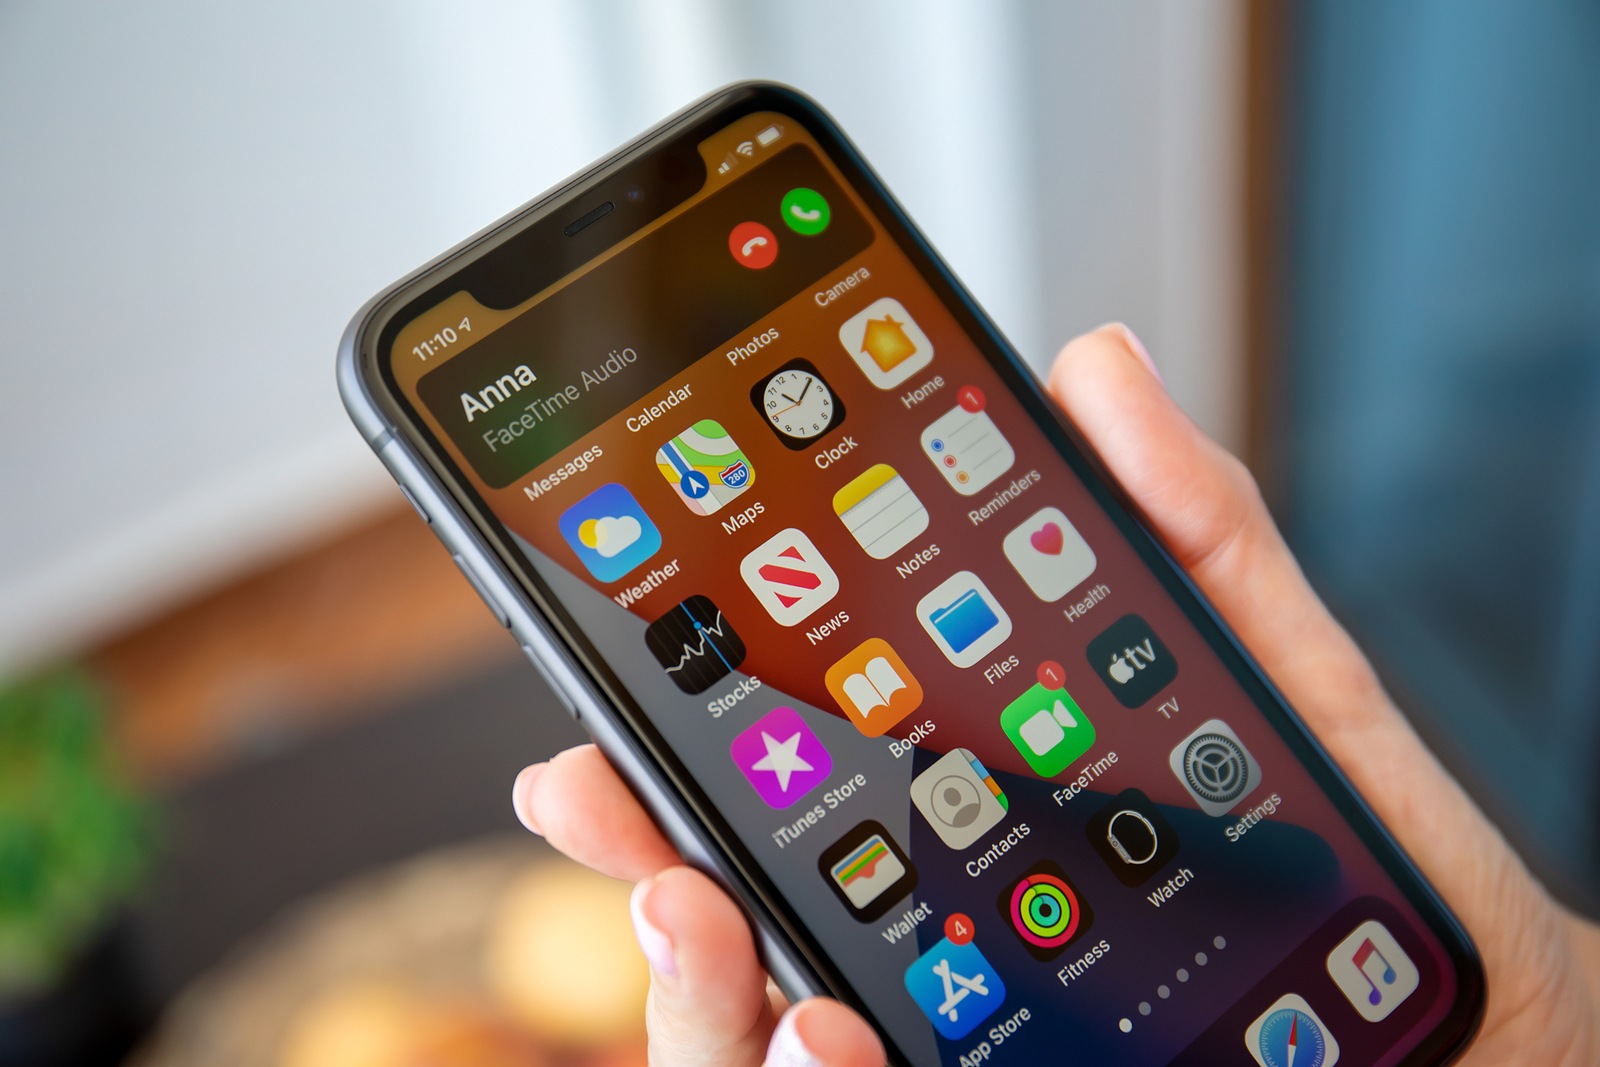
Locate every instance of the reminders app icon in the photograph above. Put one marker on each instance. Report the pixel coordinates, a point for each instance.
(966, 445)
(964, 619)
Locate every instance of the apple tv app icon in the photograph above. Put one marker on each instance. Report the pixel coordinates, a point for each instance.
(1132, 661)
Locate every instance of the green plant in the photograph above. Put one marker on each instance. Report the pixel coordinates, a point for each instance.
(72, 836)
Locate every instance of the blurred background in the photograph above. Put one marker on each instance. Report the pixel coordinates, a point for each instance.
(256, 735)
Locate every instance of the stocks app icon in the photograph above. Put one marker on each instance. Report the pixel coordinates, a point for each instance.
(695, 644)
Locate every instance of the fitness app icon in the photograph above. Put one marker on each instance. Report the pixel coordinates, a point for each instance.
(959, 798)
(1045, 910)
(1215, 767)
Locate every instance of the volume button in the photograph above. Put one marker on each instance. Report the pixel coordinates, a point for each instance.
(549, 680)
(483, 594)
(415, 503)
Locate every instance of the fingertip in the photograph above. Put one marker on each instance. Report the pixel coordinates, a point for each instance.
(824, 1033)
(653, 941)
(522, 796)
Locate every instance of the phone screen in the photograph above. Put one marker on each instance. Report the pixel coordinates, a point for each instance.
(947, 706)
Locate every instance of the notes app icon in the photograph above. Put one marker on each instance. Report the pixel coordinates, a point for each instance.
(874, 687)
(886, 343)
(880, 511)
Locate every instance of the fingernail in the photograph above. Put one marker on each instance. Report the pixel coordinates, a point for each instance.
(522, 796)
(788, 1048)
(1139, 349)
(655, 945)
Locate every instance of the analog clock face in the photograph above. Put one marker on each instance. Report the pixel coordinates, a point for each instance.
(798, 404)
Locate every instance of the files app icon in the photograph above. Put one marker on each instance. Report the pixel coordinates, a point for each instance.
(964, 619)
(874, 687)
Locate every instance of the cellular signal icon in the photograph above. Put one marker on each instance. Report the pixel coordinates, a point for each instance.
(695, 644)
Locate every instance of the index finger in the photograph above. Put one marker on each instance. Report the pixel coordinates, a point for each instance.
(580, 805)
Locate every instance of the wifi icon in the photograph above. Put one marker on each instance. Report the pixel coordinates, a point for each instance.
(746, 148)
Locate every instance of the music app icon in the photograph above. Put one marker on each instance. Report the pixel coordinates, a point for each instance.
(1373, 971)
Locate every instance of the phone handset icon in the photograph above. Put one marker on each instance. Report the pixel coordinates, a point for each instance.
(806, 212)
(753, 245)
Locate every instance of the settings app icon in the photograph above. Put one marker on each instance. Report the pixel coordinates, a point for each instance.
(1215, 767)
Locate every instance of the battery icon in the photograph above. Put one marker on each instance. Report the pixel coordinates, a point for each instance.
(768, 135)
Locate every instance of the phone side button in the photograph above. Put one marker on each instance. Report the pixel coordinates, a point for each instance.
(544, 673)
(417, 504)
(483, 594)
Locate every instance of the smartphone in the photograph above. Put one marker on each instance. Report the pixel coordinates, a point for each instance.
(797, 537)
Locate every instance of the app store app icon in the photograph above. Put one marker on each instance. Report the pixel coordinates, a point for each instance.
(964, 619)
(956, 988)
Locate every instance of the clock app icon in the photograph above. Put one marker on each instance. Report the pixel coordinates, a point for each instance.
(798, 404)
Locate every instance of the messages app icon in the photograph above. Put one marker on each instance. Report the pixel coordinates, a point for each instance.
(610, 532)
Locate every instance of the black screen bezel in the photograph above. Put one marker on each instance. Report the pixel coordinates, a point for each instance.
(540, 224)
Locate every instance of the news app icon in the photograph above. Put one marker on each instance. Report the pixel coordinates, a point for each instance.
(1373, 971)
(964, 619)
(1045, 910)
(789, 576)
(959, 798)
(1049, 553)
(874, 686)
(610, 532)
(886, 343)
(966, 445)
(868, 871)
(705, 467)
(781, 758)
(956, 988)
(695, 644)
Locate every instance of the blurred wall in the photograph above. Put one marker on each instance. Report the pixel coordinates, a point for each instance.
(199, 196)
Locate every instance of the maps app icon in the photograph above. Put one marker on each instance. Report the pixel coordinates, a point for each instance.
(705, 467)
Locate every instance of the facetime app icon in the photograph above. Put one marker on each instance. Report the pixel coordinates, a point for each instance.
(886, 343)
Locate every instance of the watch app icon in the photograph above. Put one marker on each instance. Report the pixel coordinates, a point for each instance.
(1132, 838)
(959, 798)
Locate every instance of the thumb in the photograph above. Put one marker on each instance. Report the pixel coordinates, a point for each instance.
(823, 1033)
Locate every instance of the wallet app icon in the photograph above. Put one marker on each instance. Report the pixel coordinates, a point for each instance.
(868, 871)
(964, 619)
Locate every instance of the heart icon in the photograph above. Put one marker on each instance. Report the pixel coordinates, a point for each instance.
(1048, 539)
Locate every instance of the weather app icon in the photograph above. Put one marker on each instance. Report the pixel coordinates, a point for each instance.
(610, 532)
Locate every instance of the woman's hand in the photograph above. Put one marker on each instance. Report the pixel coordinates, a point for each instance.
(710, 1002)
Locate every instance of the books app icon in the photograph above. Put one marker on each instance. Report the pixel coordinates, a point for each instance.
(964, 619)
(695, 644)
(874, 687)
